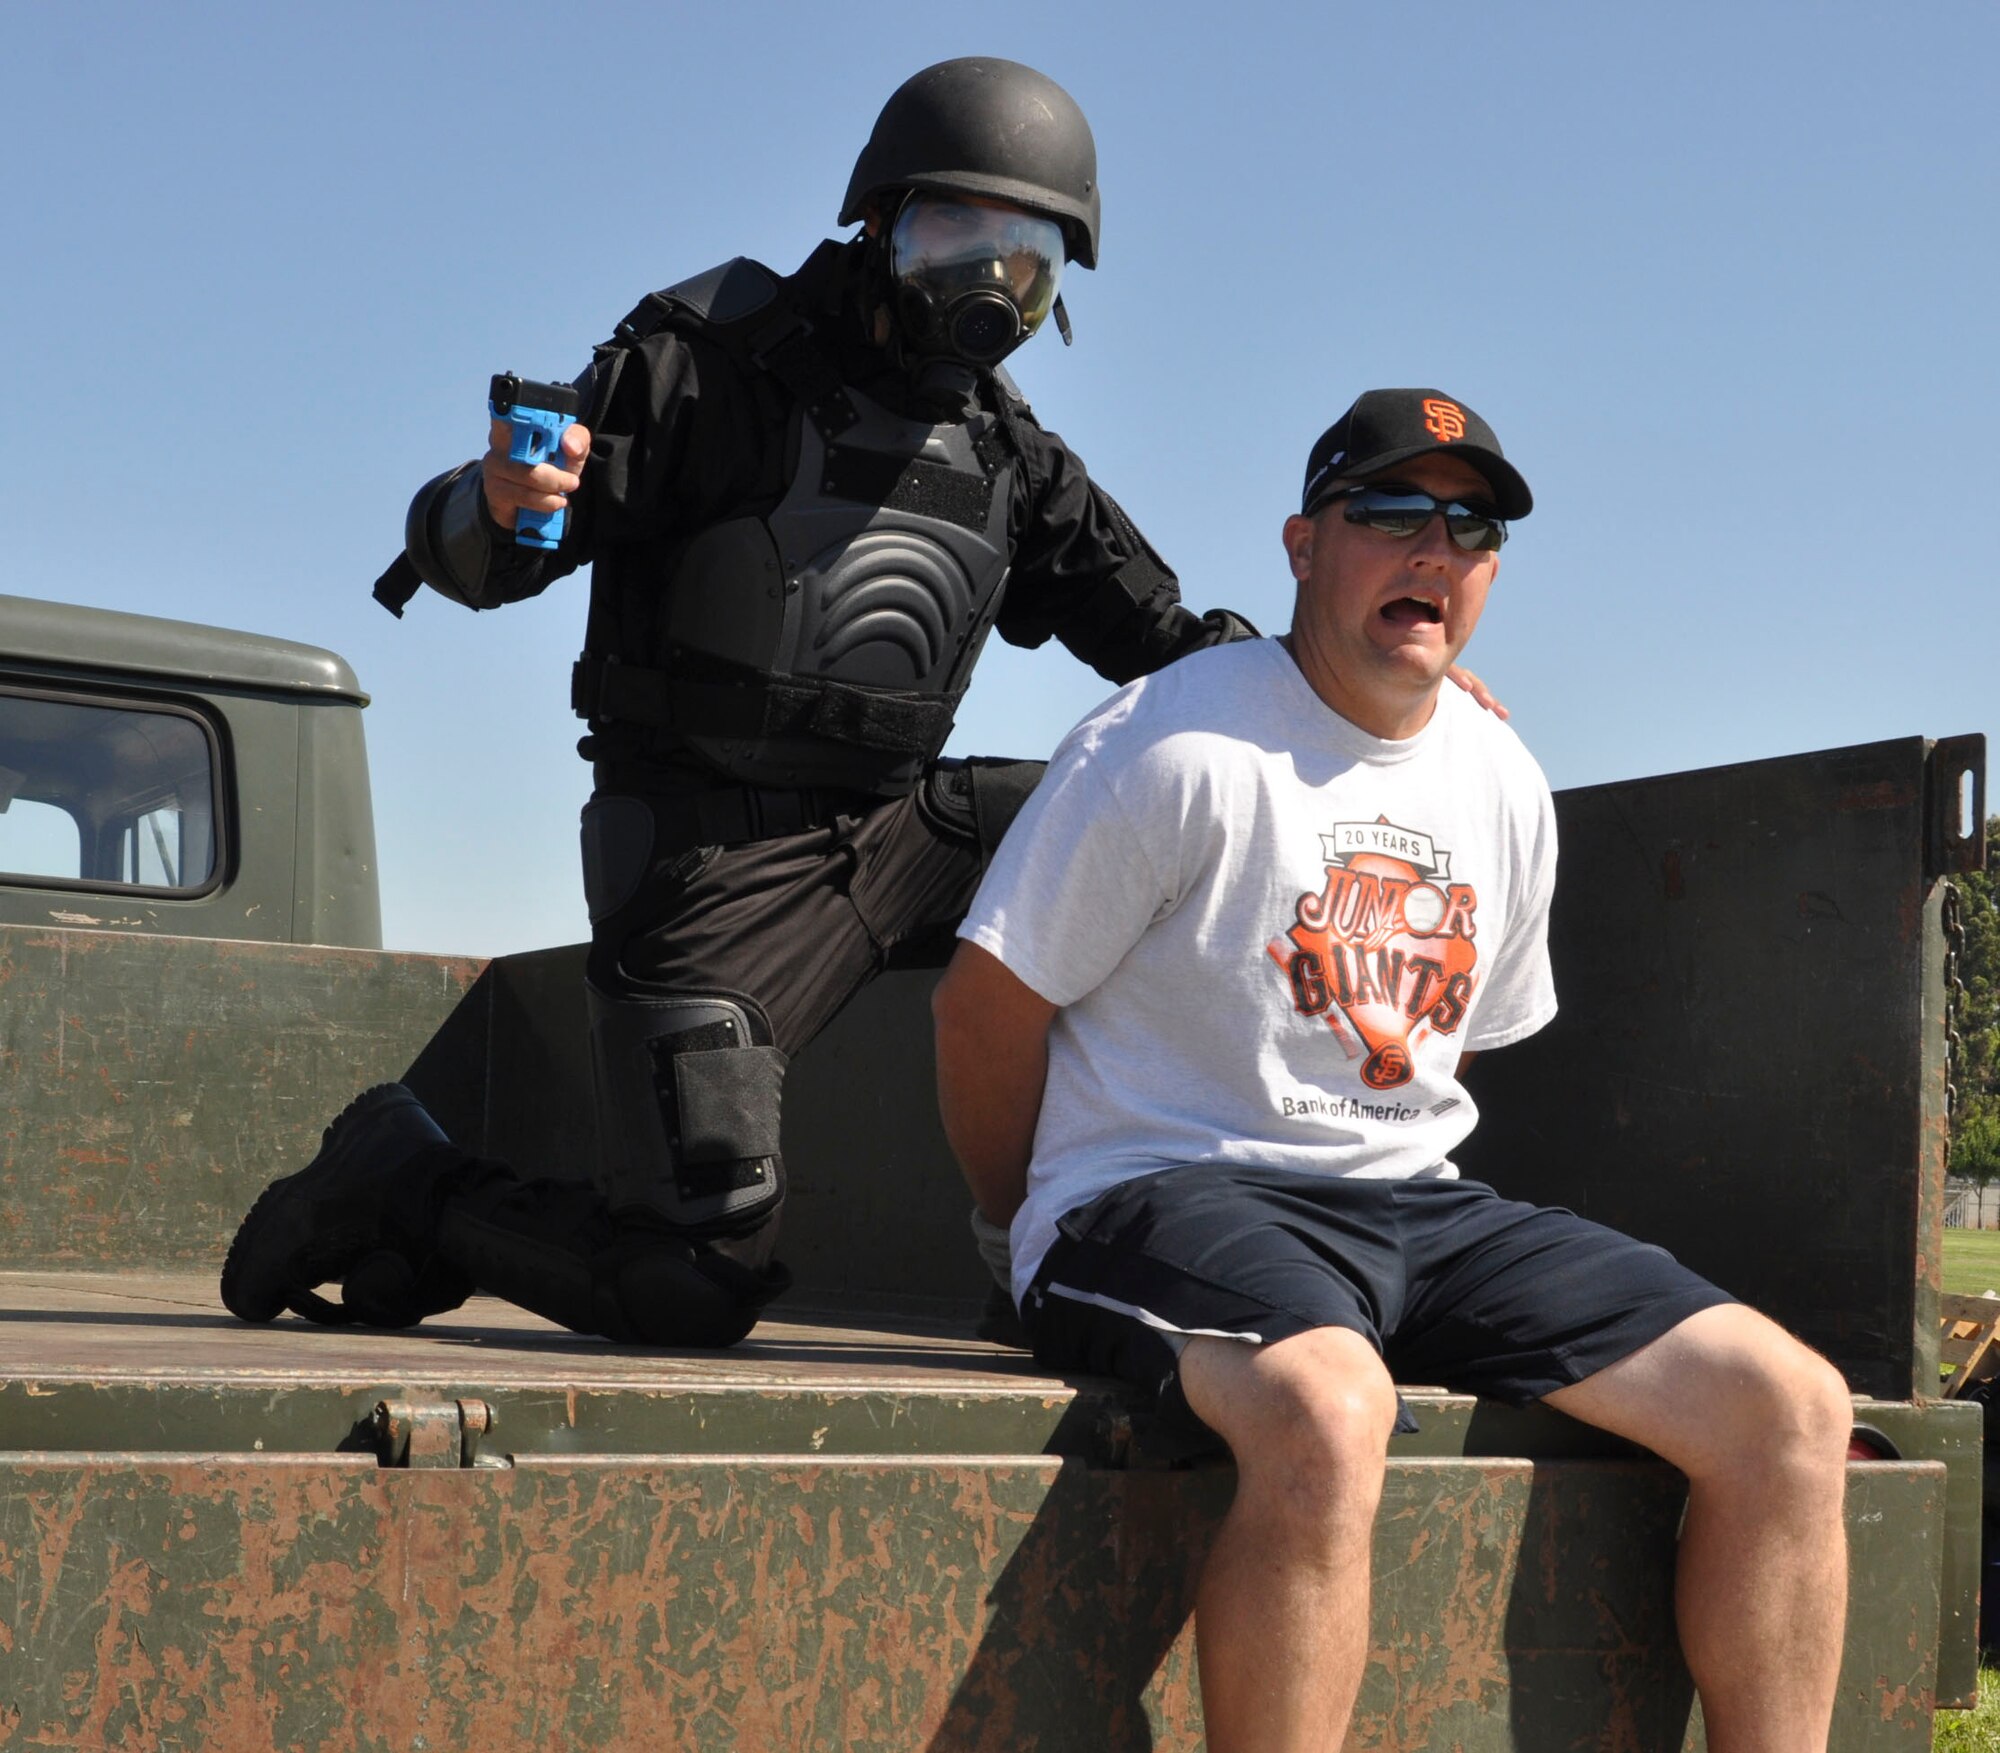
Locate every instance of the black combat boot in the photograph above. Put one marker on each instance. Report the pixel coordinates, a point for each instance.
(362, 1211)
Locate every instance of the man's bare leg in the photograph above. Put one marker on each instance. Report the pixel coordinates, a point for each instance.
(1281, 1614)
(1760, 1425)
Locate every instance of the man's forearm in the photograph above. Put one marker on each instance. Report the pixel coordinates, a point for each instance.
(993, 1063)
(990, 1123)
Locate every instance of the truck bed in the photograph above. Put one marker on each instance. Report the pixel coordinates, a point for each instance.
(150, 1358)
(865, 1528)
(843, 1533)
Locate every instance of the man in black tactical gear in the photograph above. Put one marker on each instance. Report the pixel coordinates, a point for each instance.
(807, 500)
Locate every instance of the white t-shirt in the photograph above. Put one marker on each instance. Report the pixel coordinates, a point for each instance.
(1271, 934)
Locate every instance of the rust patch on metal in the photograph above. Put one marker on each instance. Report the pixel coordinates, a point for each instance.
(1880, 794)
(940, 1605)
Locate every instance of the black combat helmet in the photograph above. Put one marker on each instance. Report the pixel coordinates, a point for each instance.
(986, 127)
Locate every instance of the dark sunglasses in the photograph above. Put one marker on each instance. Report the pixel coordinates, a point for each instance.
(1403, 511)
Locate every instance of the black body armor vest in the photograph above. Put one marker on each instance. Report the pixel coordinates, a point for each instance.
(824, 641)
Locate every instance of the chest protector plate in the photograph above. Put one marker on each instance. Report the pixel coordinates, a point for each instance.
(859, 604)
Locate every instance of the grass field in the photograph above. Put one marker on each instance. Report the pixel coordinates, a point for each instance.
(1972, 1731)
(1972, 1260)
(1972, 1265)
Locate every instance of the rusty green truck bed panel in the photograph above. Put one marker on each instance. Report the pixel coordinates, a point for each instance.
(833, 1536)
(713, 1602)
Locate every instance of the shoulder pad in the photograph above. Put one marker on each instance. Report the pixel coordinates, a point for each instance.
(1011, 398)
(725, 294)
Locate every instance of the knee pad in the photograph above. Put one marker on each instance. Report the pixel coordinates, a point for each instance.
(999, 789)
(689, 1091)
(978, 798)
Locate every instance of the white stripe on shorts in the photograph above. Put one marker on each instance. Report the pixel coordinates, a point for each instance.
(1158, 1322)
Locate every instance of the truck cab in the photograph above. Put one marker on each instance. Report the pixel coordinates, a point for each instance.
(165, 777)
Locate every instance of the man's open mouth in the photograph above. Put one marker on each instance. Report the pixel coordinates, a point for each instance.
(1412, 612)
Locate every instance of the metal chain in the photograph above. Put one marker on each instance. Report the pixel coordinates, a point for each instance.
(1954, 994)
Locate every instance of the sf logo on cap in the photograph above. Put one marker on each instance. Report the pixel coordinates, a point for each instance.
(1444, 421)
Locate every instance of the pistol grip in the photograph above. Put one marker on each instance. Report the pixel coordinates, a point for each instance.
(537, 440)
(530, 441)
(538, 529)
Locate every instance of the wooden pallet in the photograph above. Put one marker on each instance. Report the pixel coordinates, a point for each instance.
(1968, 1341)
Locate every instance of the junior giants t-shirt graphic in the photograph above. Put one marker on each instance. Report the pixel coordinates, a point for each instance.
(1385, 951)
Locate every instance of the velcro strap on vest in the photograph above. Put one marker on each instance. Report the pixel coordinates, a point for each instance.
(787, 348)
(872, 718)
(893, 720)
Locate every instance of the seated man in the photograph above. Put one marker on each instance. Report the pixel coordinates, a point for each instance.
(1201, 1048)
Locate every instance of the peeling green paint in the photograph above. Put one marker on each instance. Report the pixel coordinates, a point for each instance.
(923, 1604)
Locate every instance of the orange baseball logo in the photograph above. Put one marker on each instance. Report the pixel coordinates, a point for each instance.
(1387, 953)
(1389, 1067)
(1444, 421)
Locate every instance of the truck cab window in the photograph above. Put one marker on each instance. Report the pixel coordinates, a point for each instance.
(106, 793)
(38, 839)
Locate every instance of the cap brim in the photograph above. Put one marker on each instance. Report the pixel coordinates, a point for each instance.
(1511, 497)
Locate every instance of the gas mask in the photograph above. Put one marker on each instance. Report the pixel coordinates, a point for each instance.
(972, 279)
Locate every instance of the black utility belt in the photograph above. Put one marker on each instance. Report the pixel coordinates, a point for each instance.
(748, 703)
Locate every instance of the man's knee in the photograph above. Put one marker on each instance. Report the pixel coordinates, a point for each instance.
(1309, 1415)
(1755, 1398)
(668, 1291)
(1777, 1382)
(1810, 1408)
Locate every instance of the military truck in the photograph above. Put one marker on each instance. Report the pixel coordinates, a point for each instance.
(865, 1527)
(163, 777)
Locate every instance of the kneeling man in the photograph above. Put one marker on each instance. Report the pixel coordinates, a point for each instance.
(1201, 1050)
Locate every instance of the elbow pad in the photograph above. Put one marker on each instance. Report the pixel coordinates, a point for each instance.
(449, 537)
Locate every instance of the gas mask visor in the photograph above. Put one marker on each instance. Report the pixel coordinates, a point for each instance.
(974, 279)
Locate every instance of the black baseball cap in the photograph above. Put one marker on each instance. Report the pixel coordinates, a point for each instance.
(1386, 427)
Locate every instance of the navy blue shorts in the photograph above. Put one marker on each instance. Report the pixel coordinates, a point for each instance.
(1453, 1285)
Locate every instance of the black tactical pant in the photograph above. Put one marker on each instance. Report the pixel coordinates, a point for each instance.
(796, 924)
(792, 926)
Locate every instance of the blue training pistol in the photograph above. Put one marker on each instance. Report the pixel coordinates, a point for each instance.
(539, 414)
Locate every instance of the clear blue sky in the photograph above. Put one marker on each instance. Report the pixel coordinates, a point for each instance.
(1722, 275)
